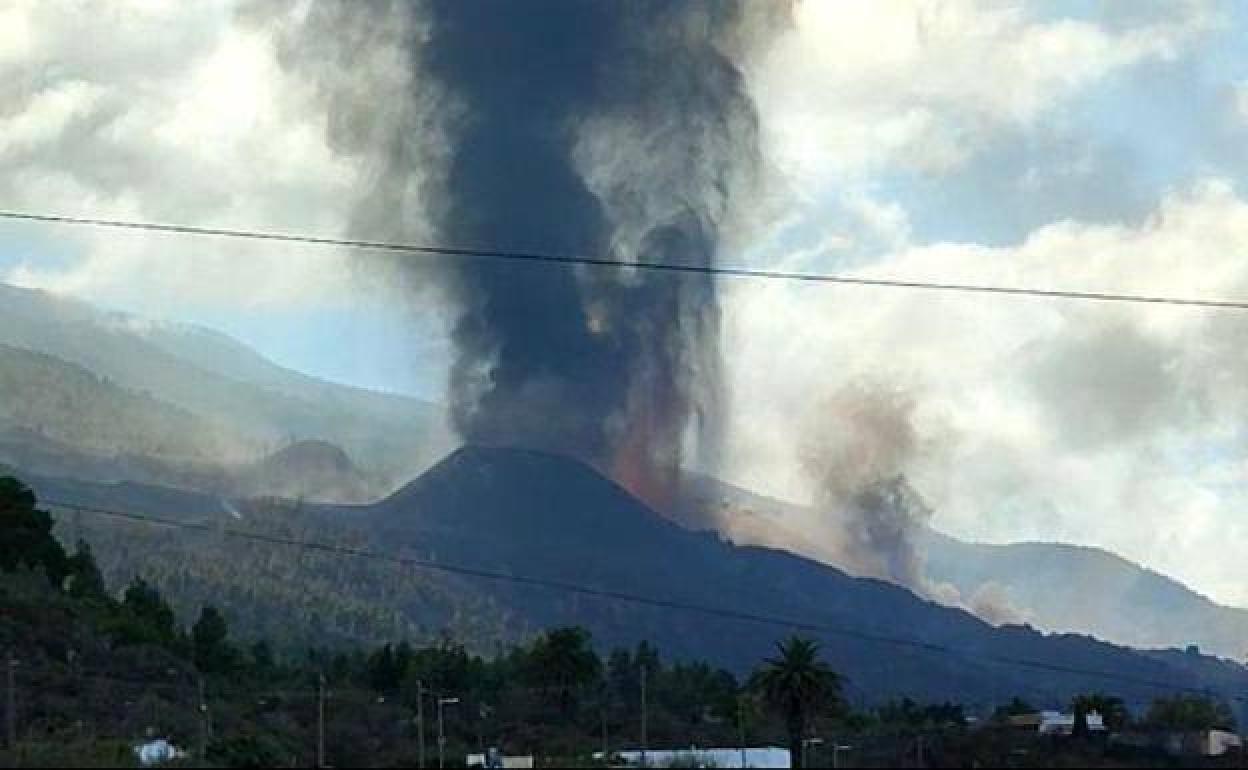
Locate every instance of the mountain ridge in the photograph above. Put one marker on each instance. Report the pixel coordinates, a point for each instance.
(552, 519)
(1140, 606)
(281, 406)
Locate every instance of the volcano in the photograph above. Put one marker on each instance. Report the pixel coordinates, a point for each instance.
(547, 518)
(537, 515)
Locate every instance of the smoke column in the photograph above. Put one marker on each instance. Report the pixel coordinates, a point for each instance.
(587, 128)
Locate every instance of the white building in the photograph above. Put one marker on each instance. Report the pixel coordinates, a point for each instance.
(517, 762)
(158, 752)
(767, 756)
(1215, 743)
(1056, 723)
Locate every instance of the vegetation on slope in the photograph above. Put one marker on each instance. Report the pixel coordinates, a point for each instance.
(97, 673)
(65, 403)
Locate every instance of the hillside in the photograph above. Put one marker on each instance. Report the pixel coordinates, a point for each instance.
(540, 516)
(309, 470)
(1057, 587)
(224, 382)
(1065, 586)
(543, 516)
(67, 404)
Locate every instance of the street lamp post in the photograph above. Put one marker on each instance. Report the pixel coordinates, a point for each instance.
(10, 711)
(806, 744)
(320, 721)
(420, 720)
(644, 738)
(441, 733)
(741, 726)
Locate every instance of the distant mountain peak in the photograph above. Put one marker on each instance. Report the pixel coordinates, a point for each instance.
(312, 455)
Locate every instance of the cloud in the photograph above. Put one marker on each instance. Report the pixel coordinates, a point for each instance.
(178, 113)
(920, 85)
(1108, 384)
(1085, 422)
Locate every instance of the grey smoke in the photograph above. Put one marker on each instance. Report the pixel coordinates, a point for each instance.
(861, 444)
(592, 128)
(608, 366)
(883, 519)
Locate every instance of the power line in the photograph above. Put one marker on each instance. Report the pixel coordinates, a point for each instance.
(605, 262)
(597, 593)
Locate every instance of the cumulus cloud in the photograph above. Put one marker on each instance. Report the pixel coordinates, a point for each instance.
(173, 112)
(921, 84)
(1058, 420)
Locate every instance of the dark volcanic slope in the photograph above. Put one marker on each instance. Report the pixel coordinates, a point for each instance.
(534, 514)
(531, 514)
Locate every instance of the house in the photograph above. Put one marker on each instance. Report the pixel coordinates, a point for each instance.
(158, 752)
(1179, 744)
(1055, 722)
(1205, 743)
(768, 756)
(493, 758)
(1215, 743)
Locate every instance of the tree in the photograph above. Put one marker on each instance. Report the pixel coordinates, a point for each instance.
(262, 655)
(210, 647)
(148, 617)
(85, 580)
(1189, 712)
(26, 533)
(1112, 710)
(563, 662)
(1017, 707)
(249, 750)
(907, 713)
(797, 684)
(384, 673)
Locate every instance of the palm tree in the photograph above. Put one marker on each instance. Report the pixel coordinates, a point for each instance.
(796, 684)
(1111, 708)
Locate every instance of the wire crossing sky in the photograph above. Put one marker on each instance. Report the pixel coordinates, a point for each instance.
(641, 264)
(1107, 184)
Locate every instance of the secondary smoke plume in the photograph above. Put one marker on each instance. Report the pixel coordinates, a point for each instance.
(857, 454)
(620, 129)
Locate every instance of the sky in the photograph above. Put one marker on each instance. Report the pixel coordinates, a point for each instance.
(1056, 145)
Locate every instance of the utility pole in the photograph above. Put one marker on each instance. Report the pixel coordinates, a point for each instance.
(203, 725)
(807, 745)
(605, 749)
(11, 702)
(320, 721)
(420, 720)
(644, 740)
(442, 702)
(741, 726)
